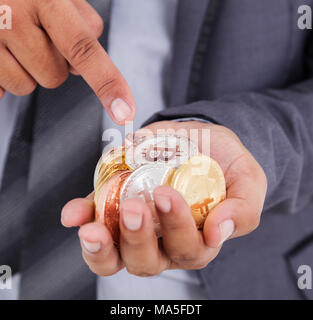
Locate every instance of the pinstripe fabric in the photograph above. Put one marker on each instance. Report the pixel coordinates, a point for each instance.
(65, 151)
(14, 184)
(52, 156)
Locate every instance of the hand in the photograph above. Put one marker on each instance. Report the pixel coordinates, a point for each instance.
(48, 39)
(182, 245)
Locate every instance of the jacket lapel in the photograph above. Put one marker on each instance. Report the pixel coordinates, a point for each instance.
(190, 17)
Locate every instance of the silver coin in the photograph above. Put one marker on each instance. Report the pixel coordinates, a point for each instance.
(142, 182)
(172, 150)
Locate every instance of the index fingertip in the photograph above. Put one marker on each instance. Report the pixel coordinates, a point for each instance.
(121, 112)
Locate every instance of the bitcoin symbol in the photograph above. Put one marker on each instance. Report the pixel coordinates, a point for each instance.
(165, 154)
(146, 192)
(202, 207)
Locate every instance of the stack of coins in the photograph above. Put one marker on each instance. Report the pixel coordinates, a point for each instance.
(135, 170)
(110, 173)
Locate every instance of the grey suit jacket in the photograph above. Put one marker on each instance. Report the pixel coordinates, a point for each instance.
(246, 65)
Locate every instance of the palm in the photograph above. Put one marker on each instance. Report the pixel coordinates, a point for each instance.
(245, 180)
(228, 151)
(224, 147)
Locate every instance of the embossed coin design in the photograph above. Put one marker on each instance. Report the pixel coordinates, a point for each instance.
(172, 150)
(136, 169)
(201, 182)
(142, 182)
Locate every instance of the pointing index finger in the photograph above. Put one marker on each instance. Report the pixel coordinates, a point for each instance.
(81, 48)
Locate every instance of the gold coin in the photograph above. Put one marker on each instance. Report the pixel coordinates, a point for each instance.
(202, 184)
(110, 163)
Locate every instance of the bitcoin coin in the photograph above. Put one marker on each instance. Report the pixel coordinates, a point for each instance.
(172, 150)
(201, 182)
(136, 170)
(111, 162)
(141, 183)
(108, 203)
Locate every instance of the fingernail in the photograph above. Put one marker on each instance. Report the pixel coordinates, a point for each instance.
(121, 110)
(63, 221)
(163, 203)
(132, 220)
(91, 247)
(64, 224)
(226, 229)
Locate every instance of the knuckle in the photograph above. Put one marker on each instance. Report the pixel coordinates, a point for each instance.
(196, 258)
(95, 270)
(53, 82)
(100, 272)
(136, 241)
(253, 221)
(97, 266)
(30, 89)
(200, 265)
(253, 169)
(132, 241)
(256, 221)
(82, 49)
(248, 165)
(97, 24)
(263, 177)
(190, 261)
(22, 88)
(48, 5)
(141, 272)
(103, 88)
(45, 2)
(252, 216)
(178, 226)
(186, 258)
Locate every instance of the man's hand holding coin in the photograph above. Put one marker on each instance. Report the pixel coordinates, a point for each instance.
(183, 245)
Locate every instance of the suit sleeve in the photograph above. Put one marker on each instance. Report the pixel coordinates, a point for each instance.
(276, 126)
